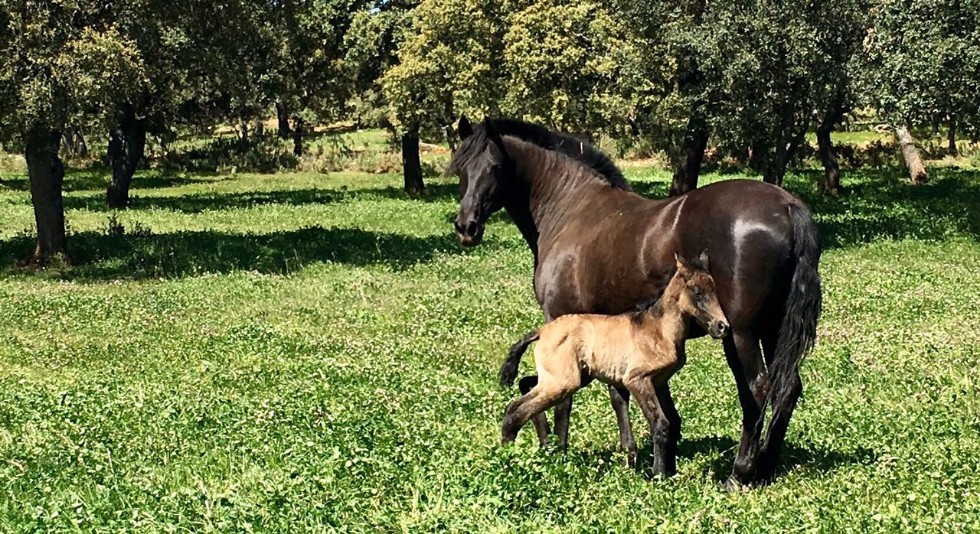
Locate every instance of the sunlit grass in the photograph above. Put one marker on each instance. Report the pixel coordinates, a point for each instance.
(304, 351)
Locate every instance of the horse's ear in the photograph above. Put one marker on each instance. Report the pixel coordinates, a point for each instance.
(465, 129)
(494, 136)
(703, 258)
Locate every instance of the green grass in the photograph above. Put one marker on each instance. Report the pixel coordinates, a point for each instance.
(304, 351)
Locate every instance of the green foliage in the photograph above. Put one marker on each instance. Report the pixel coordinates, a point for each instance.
(560, 71)
(923, 61)
(449, 63)
(60, 62)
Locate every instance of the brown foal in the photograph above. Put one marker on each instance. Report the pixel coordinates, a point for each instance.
(639, 351)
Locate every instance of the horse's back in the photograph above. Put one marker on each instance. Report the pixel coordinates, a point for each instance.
(619, 251)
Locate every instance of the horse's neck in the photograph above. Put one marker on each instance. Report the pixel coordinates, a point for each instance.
(552, 184)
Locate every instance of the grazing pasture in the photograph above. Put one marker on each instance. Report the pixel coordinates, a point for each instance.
(306, 351)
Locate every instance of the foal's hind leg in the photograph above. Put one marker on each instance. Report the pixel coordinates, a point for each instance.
(745, 360)
(539, 399)
(540, 422)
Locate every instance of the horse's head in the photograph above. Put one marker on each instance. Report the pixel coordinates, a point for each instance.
(698, 297)
(484, 170)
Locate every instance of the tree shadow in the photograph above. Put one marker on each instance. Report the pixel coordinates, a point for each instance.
(97, 179)
(197, 203)
(143, 255)
(878, 206)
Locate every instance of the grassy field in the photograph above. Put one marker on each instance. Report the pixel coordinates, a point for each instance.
(306, 351)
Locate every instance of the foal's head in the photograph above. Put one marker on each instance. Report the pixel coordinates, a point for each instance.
(698, 298)
(485, 171)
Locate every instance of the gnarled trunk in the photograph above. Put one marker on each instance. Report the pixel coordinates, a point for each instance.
(831, 184)
(688, 166)
(282, 119)
(298, 138)
(126, 145)
(951, 137)
(917, 171)
(411, 164)
(46, 174)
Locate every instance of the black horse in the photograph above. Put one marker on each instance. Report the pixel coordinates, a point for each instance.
(599, 248)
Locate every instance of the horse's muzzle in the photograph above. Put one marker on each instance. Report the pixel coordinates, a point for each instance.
(470, 234)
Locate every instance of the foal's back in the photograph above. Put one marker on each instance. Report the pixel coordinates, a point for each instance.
(603, 345)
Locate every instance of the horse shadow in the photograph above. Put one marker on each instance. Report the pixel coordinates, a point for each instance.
(722, 450)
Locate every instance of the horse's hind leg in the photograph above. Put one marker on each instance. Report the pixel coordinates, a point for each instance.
(540, 421)
(745, 360)
(782, 409)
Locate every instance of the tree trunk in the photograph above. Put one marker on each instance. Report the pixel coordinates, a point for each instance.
(831, 184)
(126, 145)
(46, 174)
(952, 137)
(688, 167)
(282, 118)
(81, 147)
(411, 164)
(917, 172)
(298, 137)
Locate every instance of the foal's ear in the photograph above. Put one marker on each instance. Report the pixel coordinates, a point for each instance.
(465, 129)
(703, 258)
(682, 264)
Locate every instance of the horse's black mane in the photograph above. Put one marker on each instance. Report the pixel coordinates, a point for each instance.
(536, 134)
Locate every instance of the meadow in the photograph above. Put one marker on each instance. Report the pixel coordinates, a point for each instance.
(307, 351)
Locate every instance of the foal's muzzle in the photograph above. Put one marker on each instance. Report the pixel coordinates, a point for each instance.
(719, 329)
(469, 231)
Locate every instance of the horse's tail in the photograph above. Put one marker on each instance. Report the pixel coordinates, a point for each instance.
(798, 331)
(508, 371)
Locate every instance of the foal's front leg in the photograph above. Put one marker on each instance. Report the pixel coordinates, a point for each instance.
(643, 390)
(620, 399)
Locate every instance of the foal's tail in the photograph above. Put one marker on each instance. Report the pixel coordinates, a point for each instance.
(508, 371)
(798, 331)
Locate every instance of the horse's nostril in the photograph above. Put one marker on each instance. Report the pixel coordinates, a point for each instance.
(472, 229)
(459, 227)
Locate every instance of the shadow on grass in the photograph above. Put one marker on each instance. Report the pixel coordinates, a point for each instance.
(96, 178)
(198, 203)
(723, 449)
(180, 254)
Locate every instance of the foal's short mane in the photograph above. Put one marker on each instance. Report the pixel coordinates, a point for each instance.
(581, 151)
(648, 305)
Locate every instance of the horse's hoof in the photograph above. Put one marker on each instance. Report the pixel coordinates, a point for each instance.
(732, 485)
